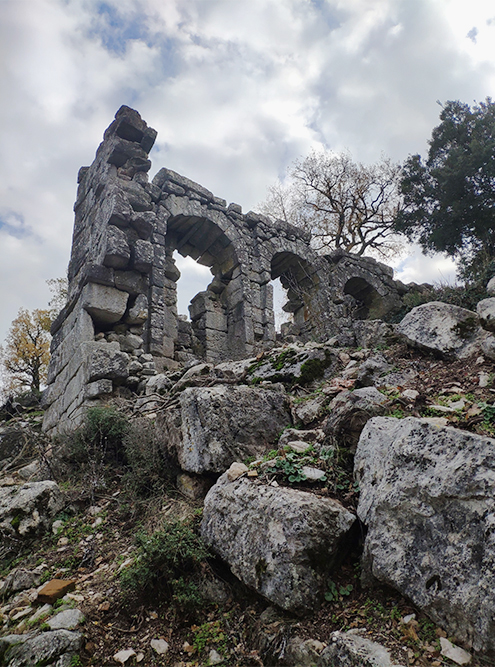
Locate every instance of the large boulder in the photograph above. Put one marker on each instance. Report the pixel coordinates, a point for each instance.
(211, 427)
(282, 542)
(428, 501)
(446, 330)
(28, 510)
(486, 313)
(293, 363)
(57, 648)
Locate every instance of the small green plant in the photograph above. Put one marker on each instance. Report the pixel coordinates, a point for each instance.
(75, 661)
(289, 467)
(44, 627)
(208, 635)
(336, 593)
(167, 565)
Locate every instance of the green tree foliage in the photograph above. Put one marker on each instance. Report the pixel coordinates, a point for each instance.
(343, 204)
(449, 200)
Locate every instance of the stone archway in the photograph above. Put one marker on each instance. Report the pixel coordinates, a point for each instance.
(368, 302)
(214, 311)
(300, 280)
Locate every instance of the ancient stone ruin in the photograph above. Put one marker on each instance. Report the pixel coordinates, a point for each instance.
(120, 325)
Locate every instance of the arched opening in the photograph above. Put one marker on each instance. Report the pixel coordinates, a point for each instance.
(280, 298)
(212, 310)
(368, 303)
(299, 281)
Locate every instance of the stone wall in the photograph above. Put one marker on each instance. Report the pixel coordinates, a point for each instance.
(120, 324)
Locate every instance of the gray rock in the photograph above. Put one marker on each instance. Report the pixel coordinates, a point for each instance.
(486, 313)
(349, 649)
(105, 360)
(349, 412)
(371, 370)
(279, 541)
(446, 330)
(311, 436)
(488, 347)
(308, 410)
(48, 648)
(211, 427)
(158, 384)
(293, 363)
(490, 288)
(138, 314)
(117, 253)
(28, 510)
(303, 653)
(106, 305)
(19, 580)
(428, 501)
(66, 620)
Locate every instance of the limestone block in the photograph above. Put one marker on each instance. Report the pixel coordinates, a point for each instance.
(106, 305)
(98, 388)
(137, 196)
(138, 314)
(214, 426)
(105, 361)
(279, 541)
(130, 342)
(117, 253)
(447, 330)
(132, 282)
(123, 150)
(490, 288)
(116, 209)
(143, 223)
(143, 256)
(428, 501)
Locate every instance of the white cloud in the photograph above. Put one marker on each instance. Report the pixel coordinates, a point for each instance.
(237, 90)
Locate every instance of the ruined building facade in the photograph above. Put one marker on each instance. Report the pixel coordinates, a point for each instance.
(120, 325)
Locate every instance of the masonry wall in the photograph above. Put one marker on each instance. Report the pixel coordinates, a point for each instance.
(120, 325)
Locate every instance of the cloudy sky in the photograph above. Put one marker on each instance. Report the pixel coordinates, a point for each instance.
(237, 89)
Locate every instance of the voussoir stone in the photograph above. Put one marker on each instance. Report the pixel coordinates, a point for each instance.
(211, 427)
(446, 330)
(279, 541)
(428, 501)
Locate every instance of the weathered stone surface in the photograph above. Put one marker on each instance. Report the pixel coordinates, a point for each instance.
(349, 412)
(105, 360)
(303, 537)
(428, 500)
(446, 330)
(214, 426)
(371, 370)
(18, 580)
(66, 620)
(490, 288)
(106, 305)
(138, 314)
(293, 363)
(486, 313)
(29, 509)
(56, 648)
(349, 649)
(118, 253)
(98, 388)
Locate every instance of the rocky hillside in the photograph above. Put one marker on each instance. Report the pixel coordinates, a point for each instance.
(315, 505)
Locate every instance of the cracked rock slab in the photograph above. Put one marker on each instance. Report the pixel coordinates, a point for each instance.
(279, 541)
(428, 501)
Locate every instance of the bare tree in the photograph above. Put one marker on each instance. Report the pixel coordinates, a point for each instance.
(344, 204)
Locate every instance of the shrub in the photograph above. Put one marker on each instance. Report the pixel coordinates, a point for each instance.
(167, 567)
(148, 469)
